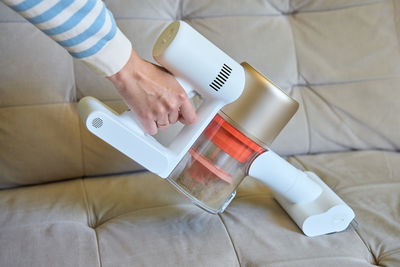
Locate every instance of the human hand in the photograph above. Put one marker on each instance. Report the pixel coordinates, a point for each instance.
(153, 94)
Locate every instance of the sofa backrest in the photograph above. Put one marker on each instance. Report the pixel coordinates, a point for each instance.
(339, 59)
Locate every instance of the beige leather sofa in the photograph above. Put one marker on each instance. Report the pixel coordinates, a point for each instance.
(68, 199)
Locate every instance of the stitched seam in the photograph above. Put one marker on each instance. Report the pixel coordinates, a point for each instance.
(345, 82)
(98, 247)
(230, 238)
(308, 127)
(302, 261)
(389, 253)
(101, 224)
(217, 16)
(86, 201)
(89, 218)
(298, 81)
(375, 260)
(280, 13)
(294, 48)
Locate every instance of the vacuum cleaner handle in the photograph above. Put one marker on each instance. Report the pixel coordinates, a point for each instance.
(123, 132)
(199, 66)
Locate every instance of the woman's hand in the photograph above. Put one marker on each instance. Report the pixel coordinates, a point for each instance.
(153, 94)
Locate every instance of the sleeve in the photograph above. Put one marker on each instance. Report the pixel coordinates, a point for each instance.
(85, 28)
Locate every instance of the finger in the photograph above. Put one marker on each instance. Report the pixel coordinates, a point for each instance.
(163, 123)
(149, 126)
(187, 113)
(173, 116)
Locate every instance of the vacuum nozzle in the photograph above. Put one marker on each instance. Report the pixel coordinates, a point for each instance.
(326, 214)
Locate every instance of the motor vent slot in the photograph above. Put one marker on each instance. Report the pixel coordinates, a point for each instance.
(221, 78)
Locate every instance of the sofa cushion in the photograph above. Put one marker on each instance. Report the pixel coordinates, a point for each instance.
(46, 225)
(34, 69)
(141, 220)
(42, 143)
(338, 59)
(369, 182)
(39, 143)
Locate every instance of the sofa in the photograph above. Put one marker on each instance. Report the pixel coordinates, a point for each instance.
(69, 199)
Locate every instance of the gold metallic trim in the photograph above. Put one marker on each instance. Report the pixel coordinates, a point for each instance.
(165, 39)
(263, 109)
(243, 131)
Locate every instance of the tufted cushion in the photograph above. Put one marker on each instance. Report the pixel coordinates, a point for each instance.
(344, 81)
(140, 220)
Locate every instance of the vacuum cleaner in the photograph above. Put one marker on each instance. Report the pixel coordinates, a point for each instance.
(240, 114)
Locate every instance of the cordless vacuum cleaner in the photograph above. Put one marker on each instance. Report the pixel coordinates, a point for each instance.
(240, 115)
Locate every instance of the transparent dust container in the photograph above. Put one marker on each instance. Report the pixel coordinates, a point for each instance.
(215, 165)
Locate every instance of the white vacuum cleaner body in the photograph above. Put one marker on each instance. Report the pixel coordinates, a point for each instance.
(240, 115)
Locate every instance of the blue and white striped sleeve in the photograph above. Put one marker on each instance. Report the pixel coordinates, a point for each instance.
(86, 28)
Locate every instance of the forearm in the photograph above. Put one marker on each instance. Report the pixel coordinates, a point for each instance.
(85, 28)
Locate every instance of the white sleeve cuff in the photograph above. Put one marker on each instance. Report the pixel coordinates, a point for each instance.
(112, 57)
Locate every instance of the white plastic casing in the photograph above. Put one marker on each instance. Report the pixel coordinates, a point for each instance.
(283, 178)
(315, 208)
(196, 63)
(324, 215)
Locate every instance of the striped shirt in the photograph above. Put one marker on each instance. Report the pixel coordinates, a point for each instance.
(85, 28)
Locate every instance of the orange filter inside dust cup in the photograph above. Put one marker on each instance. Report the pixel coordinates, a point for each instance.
(231, 140)
(202, 166)
(227, 139)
